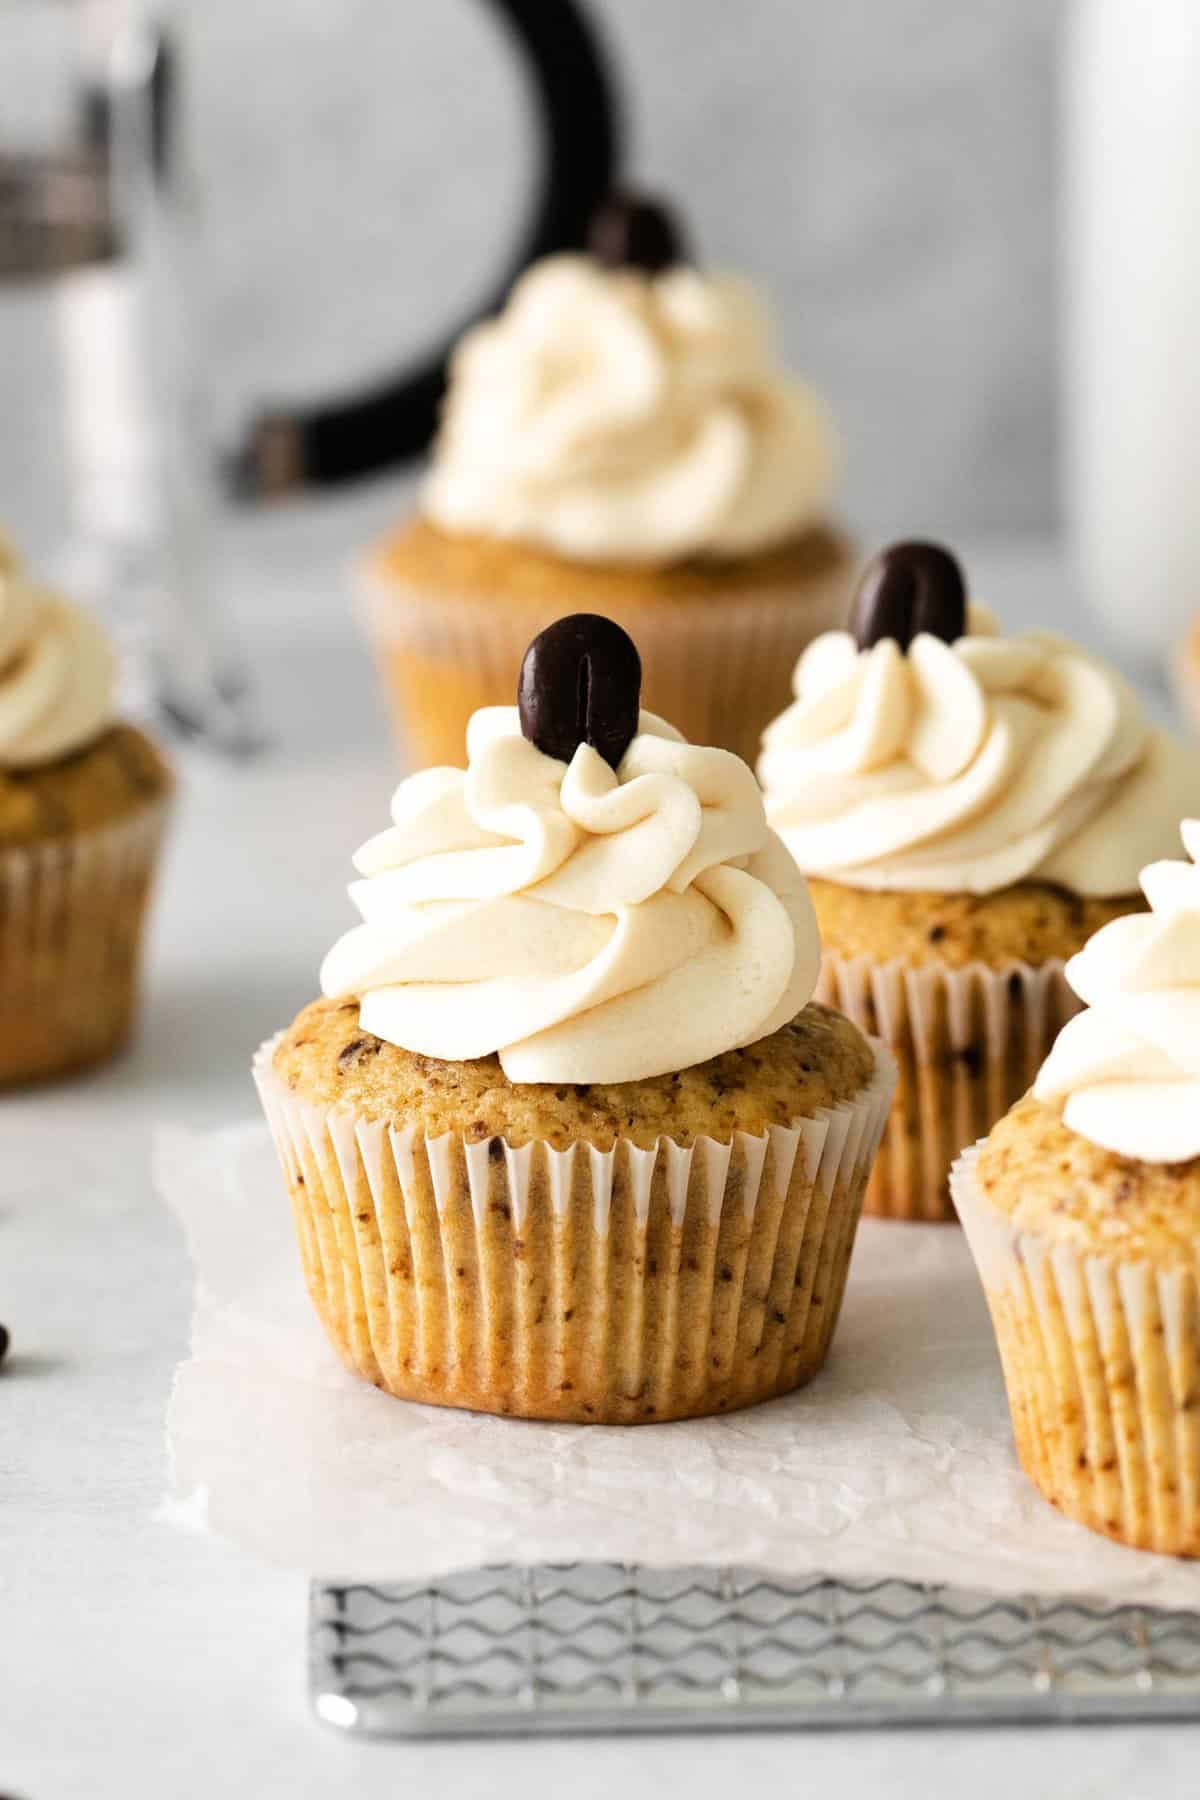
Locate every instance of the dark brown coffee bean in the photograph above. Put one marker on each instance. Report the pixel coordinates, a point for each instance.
(909, 589)
(581, 683)
(632, 231)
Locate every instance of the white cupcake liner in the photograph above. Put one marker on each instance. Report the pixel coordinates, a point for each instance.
(623, 1286)
(1101, 1359)
(718, 669)
(71, 928)
(969, 1042)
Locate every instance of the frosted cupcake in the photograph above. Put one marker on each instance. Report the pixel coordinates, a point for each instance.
(565, 1139)
(969, 808)
(1083, 1213)
(83, 803)
(621, 439)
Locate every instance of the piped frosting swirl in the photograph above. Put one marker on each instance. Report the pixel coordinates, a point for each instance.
(969, 766)
(611, 416)
(1128, 1069)
(57, 672)
(585, 924)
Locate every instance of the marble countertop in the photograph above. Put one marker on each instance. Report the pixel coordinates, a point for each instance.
(141, 1660)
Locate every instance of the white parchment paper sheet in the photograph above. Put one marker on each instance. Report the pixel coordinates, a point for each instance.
(897, 1461)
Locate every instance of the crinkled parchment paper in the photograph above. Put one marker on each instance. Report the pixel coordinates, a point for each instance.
(897, 1461)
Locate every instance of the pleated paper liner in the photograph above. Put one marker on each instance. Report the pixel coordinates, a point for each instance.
(622, 1286)
(72, 922)
(718, 669)
(968, 1043)
(1101, 1361)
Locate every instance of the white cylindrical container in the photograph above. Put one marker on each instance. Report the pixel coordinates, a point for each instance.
(1132, 315)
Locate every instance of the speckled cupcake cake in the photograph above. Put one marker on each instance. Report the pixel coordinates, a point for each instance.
(624, 440)
(1083, 1213)
(83, 802)
(565, 1139)
(968, 808)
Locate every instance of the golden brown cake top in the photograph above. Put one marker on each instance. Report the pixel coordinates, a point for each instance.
(819, 1060)
(1032, 922)
(1050, 1180)
(421, 555)
(106, 782)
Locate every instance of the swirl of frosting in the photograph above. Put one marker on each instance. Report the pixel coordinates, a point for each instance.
(967, 767)
(609, 416)
(586, 925)
(57, 672)
(1128, 1068)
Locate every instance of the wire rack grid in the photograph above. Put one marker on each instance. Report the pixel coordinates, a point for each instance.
(608, 1647)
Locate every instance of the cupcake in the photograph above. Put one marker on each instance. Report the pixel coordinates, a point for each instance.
(621, 439)
(1082, 1209)
(1184, 673)
(969, 809)
(564, 1137)
(83, 800)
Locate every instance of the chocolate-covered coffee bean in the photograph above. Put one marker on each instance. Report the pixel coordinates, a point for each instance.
(908, 589)
(632, 231)
(581, 683)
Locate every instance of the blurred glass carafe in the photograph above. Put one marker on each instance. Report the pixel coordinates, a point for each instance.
(236, 244)
(76, 482)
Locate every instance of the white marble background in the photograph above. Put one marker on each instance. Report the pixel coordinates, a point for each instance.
(886, 166)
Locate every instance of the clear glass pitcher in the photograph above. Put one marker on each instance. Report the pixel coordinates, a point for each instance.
(70, 461)
(236, 244)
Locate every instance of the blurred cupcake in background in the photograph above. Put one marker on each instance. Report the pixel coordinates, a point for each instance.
(83, 801)
(1082, 1209)
(969, 809)
(622, 439)
(1184, 673)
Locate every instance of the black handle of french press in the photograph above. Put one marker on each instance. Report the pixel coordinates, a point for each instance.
(578, 155)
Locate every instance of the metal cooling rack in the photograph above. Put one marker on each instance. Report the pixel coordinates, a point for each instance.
(602, 1647)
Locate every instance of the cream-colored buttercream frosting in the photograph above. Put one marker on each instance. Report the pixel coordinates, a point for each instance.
(586, 925)
(611, 416)
(966, 767)
(57, 672)
(1128, 1069)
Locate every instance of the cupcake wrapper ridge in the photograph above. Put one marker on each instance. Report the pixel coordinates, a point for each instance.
(1101, 1359)
(969, 1042)
(72, 913)
(719, 670)
(623, 1286)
